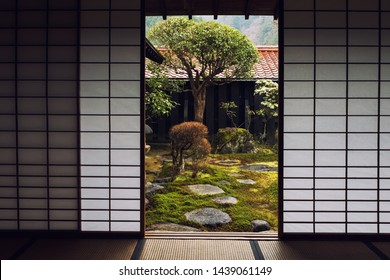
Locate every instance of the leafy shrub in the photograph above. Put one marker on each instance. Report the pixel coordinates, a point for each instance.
(234, 140)
(185, 136)
(269, 107)
(159, 89)
(230, 109)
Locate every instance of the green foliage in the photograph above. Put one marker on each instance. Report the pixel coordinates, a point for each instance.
(261, 30)
(205, 51)
(230, 110)
(159, 87)
(234, 140)
(270, 93)
(207, 47)
(150, 22)
(269, 106)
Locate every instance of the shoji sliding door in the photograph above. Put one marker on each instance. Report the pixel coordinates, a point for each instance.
(39, 115)
(71, 105)
(111, 78)
(336, 152)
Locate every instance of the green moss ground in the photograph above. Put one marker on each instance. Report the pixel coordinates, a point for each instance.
(258, 201)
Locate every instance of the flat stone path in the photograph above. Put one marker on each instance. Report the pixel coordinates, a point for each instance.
(225, 200)
(246, 181)
(224, 182)
(206, 189)
(259, 168)
(152, 188)
(208, 217)
(228, 162)
(236, 175)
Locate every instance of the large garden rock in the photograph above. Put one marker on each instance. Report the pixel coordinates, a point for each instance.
(208, 217)
(228, 162)
(171, 227)
(152, 188)
(148, 129)
(225, 200)
(224, 182)
(260, 225)
(162, 180)
(206, 189)
(259, 168)
(246, 181)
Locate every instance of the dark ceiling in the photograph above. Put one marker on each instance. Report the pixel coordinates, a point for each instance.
(211, 7)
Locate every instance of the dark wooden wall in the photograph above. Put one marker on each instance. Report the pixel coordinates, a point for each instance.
(240, 92)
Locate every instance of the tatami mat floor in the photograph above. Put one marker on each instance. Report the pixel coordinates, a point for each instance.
(172, 249)
(190, 249)
(316, 250)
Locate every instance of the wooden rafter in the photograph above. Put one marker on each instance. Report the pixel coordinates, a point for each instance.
(189, 7)
(215, 8)
(247, 9)
(163, 7)
(276, 14)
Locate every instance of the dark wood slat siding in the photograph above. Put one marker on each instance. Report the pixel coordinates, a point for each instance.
(215, 118)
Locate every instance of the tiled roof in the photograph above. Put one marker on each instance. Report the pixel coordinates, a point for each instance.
(266, 68)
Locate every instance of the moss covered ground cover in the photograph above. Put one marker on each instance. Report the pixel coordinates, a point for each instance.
(258, 201)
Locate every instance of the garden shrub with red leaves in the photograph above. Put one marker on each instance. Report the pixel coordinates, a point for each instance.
(198, 154)
(188, 138)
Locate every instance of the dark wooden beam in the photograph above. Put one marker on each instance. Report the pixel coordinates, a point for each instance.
(163, 7)
(152, 53)
(276, 14)
(189, 7)
(247, 9)
(215, 8)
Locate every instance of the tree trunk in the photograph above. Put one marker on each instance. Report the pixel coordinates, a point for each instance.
(199, 104)
(178, 162)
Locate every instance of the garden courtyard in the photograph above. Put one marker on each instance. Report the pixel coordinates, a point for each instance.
(233, 193)
(210, 177)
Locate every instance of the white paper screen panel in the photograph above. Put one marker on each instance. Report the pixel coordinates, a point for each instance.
(39, 146)
(110, 110)
(336, 120)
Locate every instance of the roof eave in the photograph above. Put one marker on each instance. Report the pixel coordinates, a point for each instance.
(152, 53)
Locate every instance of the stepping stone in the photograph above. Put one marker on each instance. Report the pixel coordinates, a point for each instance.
(259, 168)
(236, 175)
(206, 189)
(224, 182)
(225, 200)
(208, 217)
(246, 181)
(228, 162)
(260, 225)
(162, 180)
(171, 227)
(152, 188)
